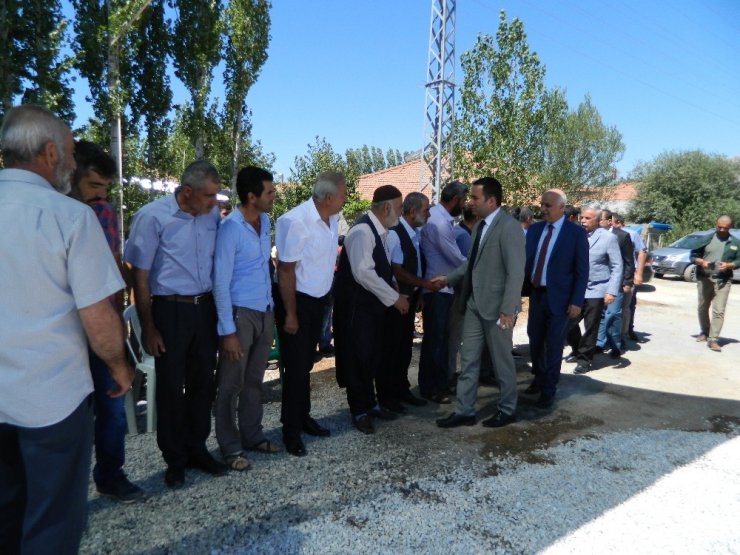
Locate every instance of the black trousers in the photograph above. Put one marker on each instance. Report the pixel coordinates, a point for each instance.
(398, 332)
(185, 376)
(297, 351)
(584, 345)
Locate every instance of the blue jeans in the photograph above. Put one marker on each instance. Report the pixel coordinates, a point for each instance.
(610, 328)
(110, 425)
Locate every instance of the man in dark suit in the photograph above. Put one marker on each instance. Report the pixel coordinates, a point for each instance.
(490, 294)
(556, 274)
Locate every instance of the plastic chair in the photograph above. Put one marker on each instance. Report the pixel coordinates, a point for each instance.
(144, 364)
(275, 353)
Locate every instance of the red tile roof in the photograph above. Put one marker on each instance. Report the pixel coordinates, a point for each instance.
(405, 177)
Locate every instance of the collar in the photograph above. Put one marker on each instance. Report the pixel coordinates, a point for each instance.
(410, 230)
(444, 213)
(557, 224)
(25, 176)
(488, 219)
(380, 228)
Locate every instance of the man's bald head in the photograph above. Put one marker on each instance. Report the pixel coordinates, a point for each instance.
(552, 206)
(724, 224)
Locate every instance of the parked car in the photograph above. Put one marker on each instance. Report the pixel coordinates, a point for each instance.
(675, 258)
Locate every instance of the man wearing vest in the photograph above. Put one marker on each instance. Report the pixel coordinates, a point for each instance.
(408, 269)
(364, 290)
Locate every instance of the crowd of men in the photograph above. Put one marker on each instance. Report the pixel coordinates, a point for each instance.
(208, 298)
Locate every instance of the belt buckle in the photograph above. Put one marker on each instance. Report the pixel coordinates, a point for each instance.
(197, 298)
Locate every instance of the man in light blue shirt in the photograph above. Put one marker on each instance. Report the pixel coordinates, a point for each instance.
(442, 255)
(171, 250)
(243, 294)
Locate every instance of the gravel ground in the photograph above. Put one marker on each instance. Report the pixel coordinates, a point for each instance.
(576, 480)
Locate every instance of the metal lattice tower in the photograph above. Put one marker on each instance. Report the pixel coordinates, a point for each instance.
(440, 98)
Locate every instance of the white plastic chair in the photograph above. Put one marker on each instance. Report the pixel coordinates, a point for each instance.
(144, 364)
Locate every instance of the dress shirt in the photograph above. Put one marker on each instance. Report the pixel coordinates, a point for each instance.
(174, 246)
(56, 261)
(301, 236)
(360, 243)
(241, 268)
(556, 227)
(438, 244)
(488, 220)
(393, 243)
(463, 238)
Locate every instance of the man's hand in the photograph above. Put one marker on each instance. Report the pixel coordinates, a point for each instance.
(638, 278)
(230, 347)
(506, 321)
(123, 375)
(441, 280)
(626, 289)
(574, 311)
(725, 266)
(291, 324)
(432, 285)
(152, 341)
(402, 304)
(608, 299)
(702, 263)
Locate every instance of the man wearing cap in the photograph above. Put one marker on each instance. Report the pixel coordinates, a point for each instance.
(306, 238)
(171, 248)
(364, 291)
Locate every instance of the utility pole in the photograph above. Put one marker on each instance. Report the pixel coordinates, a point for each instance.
(439, 109)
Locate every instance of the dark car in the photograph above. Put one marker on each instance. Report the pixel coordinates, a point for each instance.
(675, 259)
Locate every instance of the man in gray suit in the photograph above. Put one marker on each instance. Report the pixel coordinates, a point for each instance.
(490, 292)
(604, 283)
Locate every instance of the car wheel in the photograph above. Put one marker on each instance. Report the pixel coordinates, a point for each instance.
(659, 275)
(689, 274)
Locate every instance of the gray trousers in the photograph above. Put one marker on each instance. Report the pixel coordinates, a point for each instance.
(239, 396)
(715, 294)
(478, 331)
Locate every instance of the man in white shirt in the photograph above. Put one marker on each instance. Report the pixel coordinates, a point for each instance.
(306, 238)
(51, 307)
(363, 292)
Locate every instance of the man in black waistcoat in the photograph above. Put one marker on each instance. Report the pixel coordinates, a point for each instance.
(364, 289)
(408, 269)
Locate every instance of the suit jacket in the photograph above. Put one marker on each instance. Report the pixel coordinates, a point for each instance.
(567, 268)
(498, 269)
(604, 265)
(627, 248)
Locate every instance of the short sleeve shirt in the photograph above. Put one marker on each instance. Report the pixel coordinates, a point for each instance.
(55, 262)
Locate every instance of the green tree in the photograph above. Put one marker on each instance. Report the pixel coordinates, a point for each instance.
(246, 25)
(197, 51)
(505, 112)
(15, 56)
(688, 190)
(581, 151)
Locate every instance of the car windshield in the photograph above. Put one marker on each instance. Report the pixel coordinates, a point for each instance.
(689, 242)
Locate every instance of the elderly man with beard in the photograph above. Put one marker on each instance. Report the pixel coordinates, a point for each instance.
(364, 291)
(51, 307)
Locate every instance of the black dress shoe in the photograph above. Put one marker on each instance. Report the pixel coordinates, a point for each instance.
(383, 414)
(582, 369)
(205, 462)
(294, 445)
(411, 399)
(598, 349)
(313, 428)
(545, 401)
(571, 358)
(364, 423)
(499, 420)
(633, 336)
(615, 353)
(533, 389)
(174, 477)
(455, 420)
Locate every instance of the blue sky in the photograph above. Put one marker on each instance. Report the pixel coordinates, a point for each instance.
(666, 74)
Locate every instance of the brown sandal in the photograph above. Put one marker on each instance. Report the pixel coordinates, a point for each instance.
(237, 462)
(266, 446)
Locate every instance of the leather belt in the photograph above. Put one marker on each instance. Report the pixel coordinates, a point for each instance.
(190, 299)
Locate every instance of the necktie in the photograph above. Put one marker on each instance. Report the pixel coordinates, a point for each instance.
(473, 255)
(541, 259)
